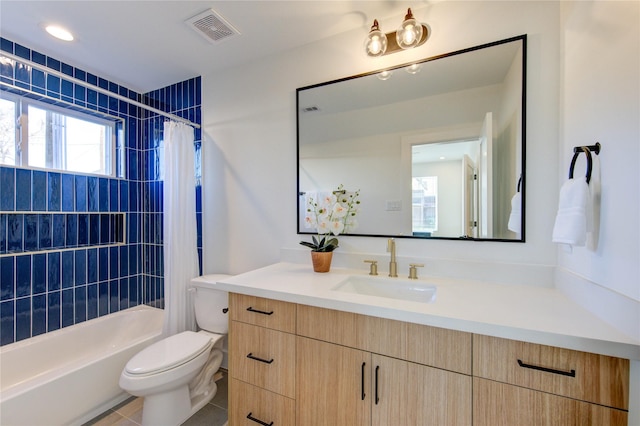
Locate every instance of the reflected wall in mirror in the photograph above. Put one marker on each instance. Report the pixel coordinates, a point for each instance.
(437, 149)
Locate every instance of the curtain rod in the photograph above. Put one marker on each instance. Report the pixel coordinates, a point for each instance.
(97, 88)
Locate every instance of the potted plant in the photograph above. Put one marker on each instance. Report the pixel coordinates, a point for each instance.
(330, 214)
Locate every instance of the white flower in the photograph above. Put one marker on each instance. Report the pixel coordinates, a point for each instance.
(310, 221)
(333, 213)
(339, 210)
(328, 200)
(323, 226)
(337, 227)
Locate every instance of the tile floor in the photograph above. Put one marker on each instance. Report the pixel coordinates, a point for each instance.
(129, 412)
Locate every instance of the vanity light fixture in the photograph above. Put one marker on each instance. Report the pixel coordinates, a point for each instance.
(59, 32)
(410, 34)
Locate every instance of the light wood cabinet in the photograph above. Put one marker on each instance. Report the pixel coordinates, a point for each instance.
(296, 364)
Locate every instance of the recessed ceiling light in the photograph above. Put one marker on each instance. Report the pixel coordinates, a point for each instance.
(59, 32)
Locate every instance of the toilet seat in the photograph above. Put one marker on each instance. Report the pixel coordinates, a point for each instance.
(168, 353)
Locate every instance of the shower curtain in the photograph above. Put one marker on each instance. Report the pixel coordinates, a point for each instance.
(180, 246)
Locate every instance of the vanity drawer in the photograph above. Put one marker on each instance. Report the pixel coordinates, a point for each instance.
(585, 376)
(497, 403)
(263, 312)
(250, 405)
(263, 357)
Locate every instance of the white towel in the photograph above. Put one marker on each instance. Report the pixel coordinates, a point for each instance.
(515, 218)
(571, 221)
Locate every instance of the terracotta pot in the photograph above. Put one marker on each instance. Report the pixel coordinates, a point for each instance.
(321, 261)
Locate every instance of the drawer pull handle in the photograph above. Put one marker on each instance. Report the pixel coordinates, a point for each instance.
(251, 356)
(571, 373)
(377, 397)
(250, 309)
(362, 381)
(253, 419)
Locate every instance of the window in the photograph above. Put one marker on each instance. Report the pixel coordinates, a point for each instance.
(37, 134)
(425, 204)
(7, 132)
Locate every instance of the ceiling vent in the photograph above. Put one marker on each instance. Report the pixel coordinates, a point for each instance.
(213, 27)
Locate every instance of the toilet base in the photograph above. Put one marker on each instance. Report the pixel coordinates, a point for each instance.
(174, 407)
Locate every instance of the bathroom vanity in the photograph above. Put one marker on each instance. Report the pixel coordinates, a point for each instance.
(303, 351)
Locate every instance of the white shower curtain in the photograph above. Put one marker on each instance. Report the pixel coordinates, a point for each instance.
(180, 246)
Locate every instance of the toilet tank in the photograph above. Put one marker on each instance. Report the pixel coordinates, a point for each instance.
(211, 305)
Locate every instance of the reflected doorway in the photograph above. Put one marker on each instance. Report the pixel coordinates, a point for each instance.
(445, 188)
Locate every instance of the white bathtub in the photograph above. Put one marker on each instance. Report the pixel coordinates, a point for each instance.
(68, 376)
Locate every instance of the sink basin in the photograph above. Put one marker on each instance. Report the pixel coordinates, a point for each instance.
(390, 288)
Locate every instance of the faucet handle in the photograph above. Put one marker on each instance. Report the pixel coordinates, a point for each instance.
(373, 269)
(413, 272)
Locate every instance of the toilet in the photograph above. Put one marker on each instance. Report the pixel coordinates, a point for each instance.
(175, 375)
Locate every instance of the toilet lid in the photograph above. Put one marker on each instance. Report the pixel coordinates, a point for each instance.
(168, 353)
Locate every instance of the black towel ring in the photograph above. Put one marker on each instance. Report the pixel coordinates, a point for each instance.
(577, 152)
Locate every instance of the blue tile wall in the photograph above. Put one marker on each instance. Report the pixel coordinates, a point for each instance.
(58, 261)
(183, 99)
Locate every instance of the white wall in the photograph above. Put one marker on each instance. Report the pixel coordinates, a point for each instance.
(249, 144)
(377, 175)
(449, 174)
(601, 102)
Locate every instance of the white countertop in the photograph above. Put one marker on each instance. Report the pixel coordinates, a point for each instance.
(519, 312)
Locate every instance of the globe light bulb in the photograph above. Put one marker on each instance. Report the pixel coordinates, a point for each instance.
(410, 32)
(376, 42)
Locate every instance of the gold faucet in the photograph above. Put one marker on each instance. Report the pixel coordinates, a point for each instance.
(393, 265)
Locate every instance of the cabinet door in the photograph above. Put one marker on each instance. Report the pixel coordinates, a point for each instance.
(389, 391)
(500, 404)
(332, 384)
(405, 393)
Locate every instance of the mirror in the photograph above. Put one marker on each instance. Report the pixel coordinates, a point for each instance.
(436, 148)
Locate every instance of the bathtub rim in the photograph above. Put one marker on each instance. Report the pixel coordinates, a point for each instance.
(20, 388)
